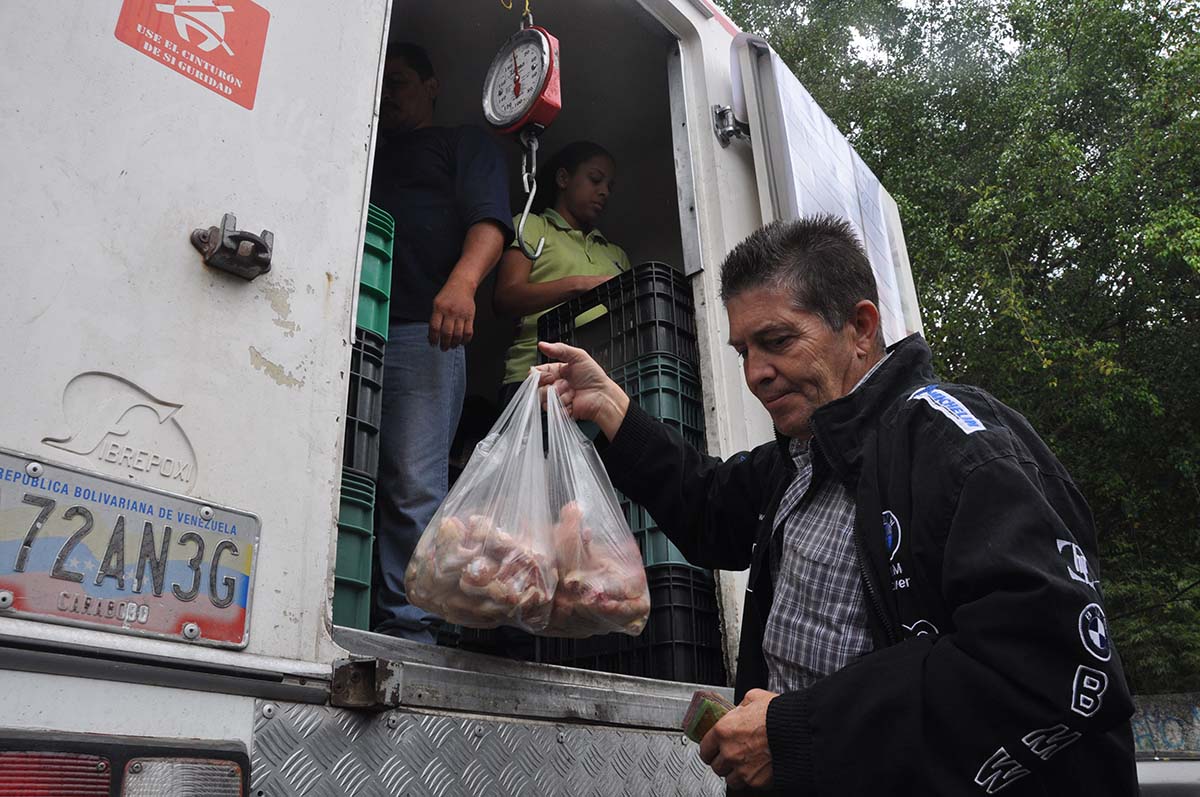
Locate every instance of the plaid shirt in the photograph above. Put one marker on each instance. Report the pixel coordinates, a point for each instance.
(818, 620)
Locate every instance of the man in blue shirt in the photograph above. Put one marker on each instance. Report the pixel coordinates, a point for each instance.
(447, 188)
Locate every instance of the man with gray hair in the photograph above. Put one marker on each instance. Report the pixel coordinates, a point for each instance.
(924, 613)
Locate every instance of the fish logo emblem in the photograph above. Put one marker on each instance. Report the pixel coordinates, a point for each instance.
(123, 430)
(203, 17)
(94, 416)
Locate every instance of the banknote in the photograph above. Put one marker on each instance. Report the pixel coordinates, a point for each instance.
(703, 713)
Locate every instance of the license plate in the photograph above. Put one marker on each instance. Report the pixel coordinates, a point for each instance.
(86, 550)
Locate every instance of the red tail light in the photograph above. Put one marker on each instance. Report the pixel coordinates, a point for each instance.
(53, 775)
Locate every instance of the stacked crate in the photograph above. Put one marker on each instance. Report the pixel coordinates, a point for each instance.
(641, 327)
(364, 410)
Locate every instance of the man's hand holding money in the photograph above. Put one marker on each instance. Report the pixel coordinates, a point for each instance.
(736, 747)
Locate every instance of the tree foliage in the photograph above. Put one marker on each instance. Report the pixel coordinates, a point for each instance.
(1045, 156)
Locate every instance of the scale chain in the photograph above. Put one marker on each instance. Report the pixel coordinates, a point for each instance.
(529, 142)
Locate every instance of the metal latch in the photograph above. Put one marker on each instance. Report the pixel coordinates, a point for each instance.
(727, 127)
(366, 683)
(236, 251)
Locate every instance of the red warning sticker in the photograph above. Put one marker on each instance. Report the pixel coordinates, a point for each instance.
(217, 43)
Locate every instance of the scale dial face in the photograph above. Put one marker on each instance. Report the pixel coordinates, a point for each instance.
(516, 78)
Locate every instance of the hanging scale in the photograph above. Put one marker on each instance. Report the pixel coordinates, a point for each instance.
(522, 94)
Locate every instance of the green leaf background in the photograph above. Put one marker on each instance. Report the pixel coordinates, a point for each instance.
(1046, 160)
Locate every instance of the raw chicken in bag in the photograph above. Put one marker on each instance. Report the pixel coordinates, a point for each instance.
(487, 557)
(601, 580)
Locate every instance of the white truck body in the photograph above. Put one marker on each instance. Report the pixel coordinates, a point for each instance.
(132, 364)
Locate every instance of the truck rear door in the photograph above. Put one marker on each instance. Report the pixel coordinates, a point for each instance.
(171, 438)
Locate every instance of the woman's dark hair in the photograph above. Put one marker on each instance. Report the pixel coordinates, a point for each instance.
(570, 158)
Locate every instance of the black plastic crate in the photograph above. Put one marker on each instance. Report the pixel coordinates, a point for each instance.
(649, 311)
(447, 635)
(364, 405)
(361, 448)
(371, 341)
(365, 399)
(681, 641)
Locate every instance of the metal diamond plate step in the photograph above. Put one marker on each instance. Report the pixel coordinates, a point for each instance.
(302, 749)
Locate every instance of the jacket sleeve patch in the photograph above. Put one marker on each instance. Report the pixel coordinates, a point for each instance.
(999, 772)
(949, 406)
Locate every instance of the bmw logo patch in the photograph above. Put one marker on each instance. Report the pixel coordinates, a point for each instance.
(1093, 632)
(891, 533)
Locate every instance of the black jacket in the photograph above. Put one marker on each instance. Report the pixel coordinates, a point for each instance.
(992, 670)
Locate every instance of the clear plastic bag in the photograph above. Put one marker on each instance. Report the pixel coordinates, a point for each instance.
(601, 580)
(486, 558)
(531, 539)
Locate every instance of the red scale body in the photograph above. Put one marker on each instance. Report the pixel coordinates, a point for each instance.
(548, 103)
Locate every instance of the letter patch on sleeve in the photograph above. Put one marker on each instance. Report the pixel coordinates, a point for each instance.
(1087, 692)
(1077, 563)
(1045, 742)
(949, 406)
(999, 771)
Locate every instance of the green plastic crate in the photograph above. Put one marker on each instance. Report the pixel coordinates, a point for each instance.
(352, 572)
(357, 506)
(655, 547)
(383, 220)
(375, 282)
(668, 389)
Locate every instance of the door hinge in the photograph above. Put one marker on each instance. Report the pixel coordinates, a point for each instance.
(727, 127)
(366, 683)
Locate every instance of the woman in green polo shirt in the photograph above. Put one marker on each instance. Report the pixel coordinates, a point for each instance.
(573, 189)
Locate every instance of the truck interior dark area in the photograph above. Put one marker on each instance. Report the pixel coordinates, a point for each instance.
(617, 67)
(614, 72)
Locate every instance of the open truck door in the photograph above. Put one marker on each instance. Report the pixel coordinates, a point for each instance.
(805, 166)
